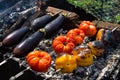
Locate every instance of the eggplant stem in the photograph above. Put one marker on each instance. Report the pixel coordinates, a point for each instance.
(114, 29)
(43, 30)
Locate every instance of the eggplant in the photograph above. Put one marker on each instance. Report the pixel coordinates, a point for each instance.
(28, 44)
(40, 22)
(54, 25)
(15, 36)
(32, 41)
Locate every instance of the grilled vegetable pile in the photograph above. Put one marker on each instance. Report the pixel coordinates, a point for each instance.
(69, 52)
(83, 54)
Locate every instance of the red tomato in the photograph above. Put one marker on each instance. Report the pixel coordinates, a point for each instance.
(92, 31)
(88, 28)
(76, 36)
(84, 26)
(61, 45)
(39, 61)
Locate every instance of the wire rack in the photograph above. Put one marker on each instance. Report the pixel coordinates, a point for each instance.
(105, 10)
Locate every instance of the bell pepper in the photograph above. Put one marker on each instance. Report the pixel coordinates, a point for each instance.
(84, 56)
(66, 63)
(105, 36)
(97, 47)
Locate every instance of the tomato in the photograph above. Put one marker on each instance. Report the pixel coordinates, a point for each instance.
(66, 63)
(76, 36)
(39, 60)
(61, 45)
(88, 28)
(92, 31)
(84, 26)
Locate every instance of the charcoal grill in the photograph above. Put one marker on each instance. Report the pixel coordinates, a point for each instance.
(105, 67)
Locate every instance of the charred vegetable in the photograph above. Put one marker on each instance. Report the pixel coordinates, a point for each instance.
(31, 42)
(97, 47)
(84, 56)
(15, 36)
(105, 36)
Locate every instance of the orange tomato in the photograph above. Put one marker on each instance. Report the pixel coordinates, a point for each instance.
(92, 31)
(88, 28)
(76, 36)
(61, 45)
(39, 60)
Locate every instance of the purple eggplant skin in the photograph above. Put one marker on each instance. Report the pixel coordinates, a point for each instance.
(28, 44)
(15, 37)
(40, 22)
(54, 25)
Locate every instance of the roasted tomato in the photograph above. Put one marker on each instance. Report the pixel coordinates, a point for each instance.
(84, 56)
(76, 36)
(66, 63)
(39, 60)
(61, 45)
(88, 28)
